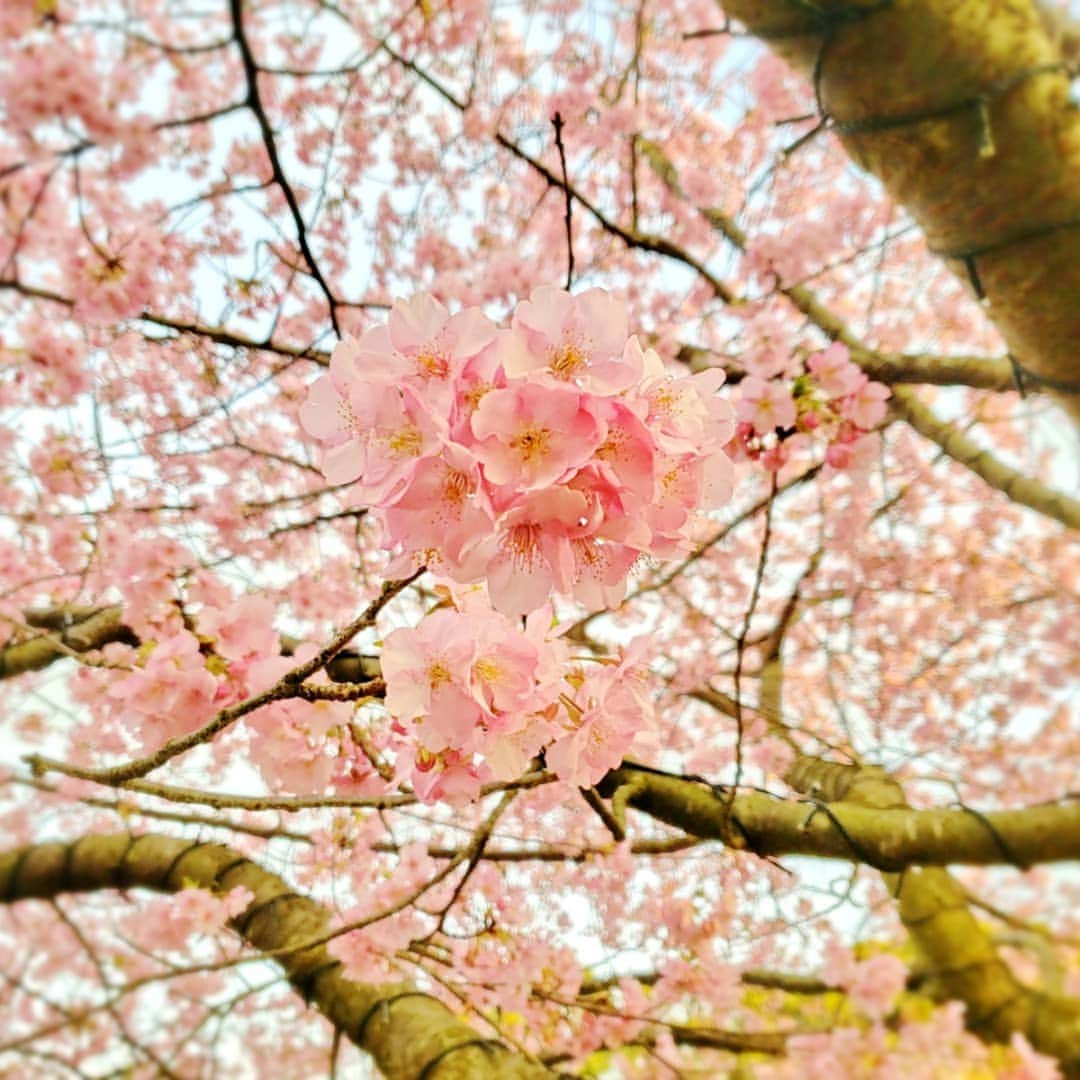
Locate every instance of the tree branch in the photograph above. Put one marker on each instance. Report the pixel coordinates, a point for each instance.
(1011, 482)
(1021, 489)
(408, 1033)
(973, 133)
(251, 74)
(890, 839)
(960, 957)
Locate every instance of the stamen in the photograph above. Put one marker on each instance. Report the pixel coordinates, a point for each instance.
(567, 361)
(406, 441)
(532, 443)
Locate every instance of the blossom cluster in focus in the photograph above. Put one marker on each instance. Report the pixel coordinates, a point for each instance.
(543, 458)
(475, 698)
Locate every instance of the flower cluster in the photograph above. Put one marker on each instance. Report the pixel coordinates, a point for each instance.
(171, 694)
(542, 458)
(834, 399)
(43, 83)
(475, 698)
(872, 984)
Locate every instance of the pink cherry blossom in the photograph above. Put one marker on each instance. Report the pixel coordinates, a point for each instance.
(534, 556)
(765, 405)
(578, 339)
(421, 666)
(172, 693)
(685, 413)
(529, 436)
(444, 513)
(244, 629)
(195, 911)
(865, 406)
(612, 708)
(834, 372)
(423, 346)
(475, 697)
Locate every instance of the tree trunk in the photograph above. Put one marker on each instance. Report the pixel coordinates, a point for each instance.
(962, 109)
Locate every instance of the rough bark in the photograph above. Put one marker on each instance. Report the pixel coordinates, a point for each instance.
(408, 1033)
(957, 954)
(958, 958)
(888, 838)
(70, 630)
(859, 813)
(962, 109)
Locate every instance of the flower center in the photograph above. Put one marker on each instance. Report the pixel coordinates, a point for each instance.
(455, 487)
(406, 441)
(487, 670)
(432, 364)
(438, 674)
(532, 443)
(523, 542)
(568, 361)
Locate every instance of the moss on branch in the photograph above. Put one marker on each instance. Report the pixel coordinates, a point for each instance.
(408, 1033)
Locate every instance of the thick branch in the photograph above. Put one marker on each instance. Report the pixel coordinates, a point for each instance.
(1013, 483)
(69, 630)
(964, 964)
(960, 959)
(408, 1033)
(932, 369)
(962, 109)
(889, 838)
(83, 630)
(1018, 487)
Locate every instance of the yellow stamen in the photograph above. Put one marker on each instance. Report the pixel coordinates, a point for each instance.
(455, 487)
(568, 361)
(438, 674)
(487, 670)
(532, 443)
(432, 364)
(406, 441)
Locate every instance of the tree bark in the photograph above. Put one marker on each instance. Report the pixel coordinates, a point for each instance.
(888, 838)
(408, 1033)
(962, 109)
(860, 814)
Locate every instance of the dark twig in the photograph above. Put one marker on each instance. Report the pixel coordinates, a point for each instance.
(254, 101)
(557, 122)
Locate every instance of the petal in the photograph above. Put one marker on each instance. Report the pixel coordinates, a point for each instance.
(321, 414)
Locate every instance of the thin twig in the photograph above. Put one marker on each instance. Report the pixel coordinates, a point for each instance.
(557, 122)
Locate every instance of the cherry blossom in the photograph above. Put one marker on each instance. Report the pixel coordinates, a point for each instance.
(528, 457)
(765, 405)
(478, 536)
(475, 698)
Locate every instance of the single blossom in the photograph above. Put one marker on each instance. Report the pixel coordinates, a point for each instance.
(534, 555)
(529, 435)
(571, 339)
(834, 372)
(244, 629)
(765, 405)
(685, 413)
(444, 514)
(865, 407)
(423, 346)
